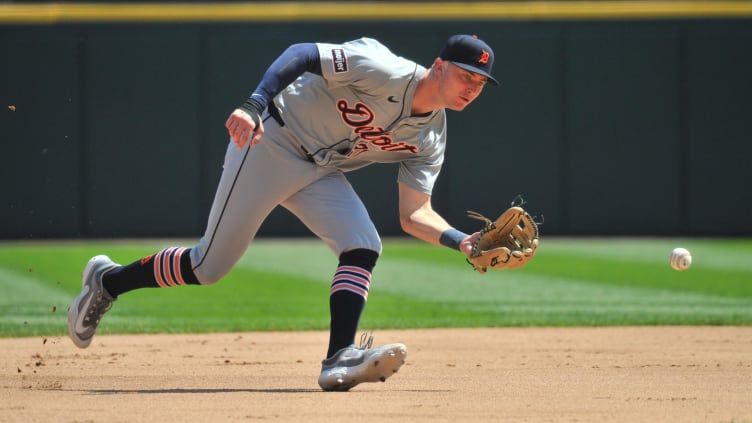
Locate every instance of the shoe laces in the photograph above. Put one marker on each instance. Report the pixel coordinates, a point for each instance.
(99, 306)
(366, 340)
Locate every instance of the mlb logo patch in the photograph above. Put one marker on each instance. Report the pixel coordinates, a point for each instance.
(340, 60)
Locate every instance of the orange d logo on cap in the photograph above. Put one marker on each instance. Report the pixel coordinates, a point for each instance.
(484, 57)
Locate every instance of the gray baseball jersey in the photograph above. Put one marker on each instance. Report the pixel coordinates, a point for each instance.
(359, 113)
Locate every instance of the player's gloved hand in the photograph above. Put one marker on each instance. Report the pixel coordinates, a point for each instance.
(507, 243)
(244, 125)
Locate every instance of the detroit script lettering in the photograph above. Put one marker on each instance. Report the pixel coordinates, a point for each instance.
(359, 117)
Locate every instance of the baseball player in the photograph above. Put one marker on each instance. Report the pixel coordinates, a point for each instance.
(320, 111)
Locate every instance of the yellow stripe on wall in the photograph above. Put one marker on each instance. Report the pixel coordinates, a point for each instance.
(51, 13)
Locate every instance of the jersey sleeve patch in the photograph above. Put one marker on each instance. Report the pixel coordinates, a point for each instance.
(339, 60)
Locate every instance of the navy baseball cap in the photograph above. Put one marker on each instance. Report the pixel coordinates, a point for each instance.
(470, 53)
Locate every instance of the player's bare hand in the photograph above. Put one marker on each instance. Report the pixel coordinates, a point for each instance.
(242, 130)
(466, 245)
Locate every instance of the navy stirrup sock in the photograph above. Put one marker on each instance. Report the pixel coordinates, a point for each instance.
(169, 267)
(348, 295)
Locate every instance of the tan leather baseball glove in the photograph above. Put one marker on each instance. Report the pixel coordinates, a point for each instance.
(507, 243)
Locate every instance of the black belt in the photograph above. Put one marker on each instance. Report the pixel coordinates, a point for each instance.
(274, 113)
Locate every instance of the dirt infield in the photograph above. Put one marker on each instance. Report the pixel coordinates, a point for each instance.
(652, 374)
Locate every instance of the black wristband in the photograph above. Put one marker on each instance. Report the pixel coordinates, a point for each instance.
(451, 238)
(254, 110)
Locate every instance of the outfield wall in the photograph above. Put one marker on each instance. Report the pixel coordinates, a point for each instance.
(612, 125)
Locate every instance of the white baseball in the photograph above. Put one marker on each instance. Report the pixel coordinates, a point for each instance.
(681, 259)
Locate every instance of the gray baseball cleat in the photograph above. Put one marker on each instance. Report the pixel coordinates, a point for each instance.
(91, 304)
(353, 365)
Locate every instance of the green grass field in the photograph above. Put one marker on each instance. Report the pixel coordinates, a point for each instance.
(284, 285)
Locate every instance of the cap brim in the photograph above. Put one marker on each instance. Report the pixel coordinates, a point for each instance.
(473, 69)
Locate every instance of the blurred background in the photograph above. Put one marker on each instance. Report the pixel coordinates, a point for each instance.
(612, 118)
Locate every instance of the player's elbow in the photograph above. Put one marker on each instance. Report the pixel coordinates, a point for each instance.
(408, 224)
(405, 224)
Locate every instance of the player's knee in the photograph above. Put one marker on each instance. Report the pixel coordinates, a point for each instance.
(360, 257)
